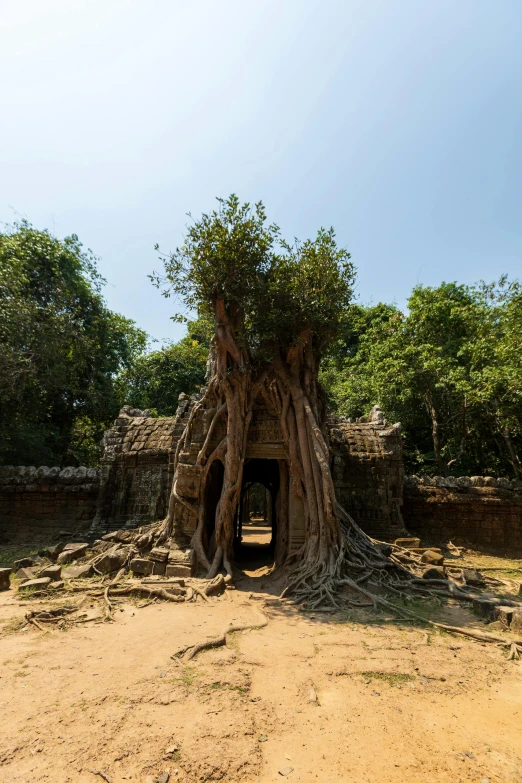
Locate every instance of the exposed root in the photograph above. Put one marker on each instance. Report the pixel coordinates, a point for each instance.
(190, 651)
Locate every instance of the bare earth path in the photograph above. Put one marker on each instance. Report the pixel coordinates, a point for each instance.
(318, 698)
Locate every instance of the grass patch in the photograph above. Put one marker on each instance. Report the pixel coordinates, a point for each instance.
(188, 676)
(225, 686)
(12, 626)
(390, 678)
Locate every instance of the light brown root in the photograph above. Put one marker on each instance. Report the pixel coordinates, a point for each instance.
(190, 651)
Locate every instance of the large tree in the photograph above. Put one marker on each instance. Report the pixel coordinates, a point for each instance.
(276, 307)
(60, 350)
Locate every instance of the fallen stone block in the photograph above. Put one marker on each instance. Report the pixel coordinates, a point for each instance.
(159, 569)
(434, 572)
(5, 581)
(57, 585)
(516, 621)
(24, 562)
(112, 560)
(78, 572)
(407, 542)
(485, 606)
(174, 569)
(473, 577)
(35, 584)
(53, 551)
(432, 558)
(141, 566)
(72, 552)
(54, 571)
(24, 574)
(160, 554)
(504, 614)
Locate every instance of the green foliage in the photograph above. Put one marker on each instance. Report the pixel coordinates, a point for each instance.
(450, 371)
(274, 292)
(60, 349)
(156, 379)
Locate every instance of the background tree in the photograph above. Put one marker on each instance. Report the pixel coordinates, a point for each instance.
(155, 380)
(449, 371)
(60, 350)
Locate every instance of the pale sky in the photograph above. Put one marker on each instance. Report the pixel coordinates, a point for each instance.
(398, 122)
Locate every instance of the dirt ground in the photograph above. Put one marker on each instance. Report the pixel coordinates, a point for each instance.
(337, 698)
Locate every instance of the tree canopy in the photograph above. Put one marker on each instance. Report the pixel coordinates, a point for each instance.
(60, 350)
(449, 370)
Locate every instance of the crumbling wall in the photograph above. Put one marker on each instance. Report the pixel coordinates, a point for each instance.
(480, 510)
(36, 503)
(368, 474)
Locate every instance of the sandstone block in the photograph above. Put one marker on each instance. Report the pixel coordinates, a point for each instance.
(53, 551)
(112, 561)
(160, 554)
(57, 585)
(24, 574)
(178, 570)
(24, 562)
(72, 552)
(434, 572)
(78, 572)
(432, 558)
(158, 569)
(5, 581)
(140, 565)
(473, 577)
(54, 571)
(35, 584)
(504, 614)
(516, 621)
(407, 542)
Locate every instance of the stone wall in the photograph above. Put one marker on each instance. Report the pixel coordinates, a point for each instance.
(368, 475)
(37, 503)
(137, 468)
(481, 511)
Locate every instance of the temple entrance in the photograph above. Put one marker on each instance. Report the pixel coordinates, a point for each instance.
(256, 519)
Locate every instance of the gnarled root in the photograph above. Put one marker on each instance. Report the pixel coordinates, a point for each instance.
(190, 651)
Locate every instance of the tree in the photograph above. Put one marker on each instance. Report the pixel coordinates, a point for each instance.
(60, 349)
(449, 370)
(276, 308)
(155, 380)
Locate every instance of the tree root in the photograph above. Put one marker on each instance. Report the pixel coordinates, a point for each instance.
(190, 651)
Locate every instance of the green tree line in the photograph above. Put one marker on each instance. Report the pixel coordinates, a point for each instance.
(449, 367)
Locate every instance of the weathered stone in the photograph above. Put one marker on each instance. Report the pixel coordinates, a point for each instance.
(160, 554)
(57, 585)
(473, 577)
(72, 552)
(78, 572)
(112, 560)
(485, 606)
(24, 574)
(504, 614)
(434, 572)
(516, 621)
(35, 584)
(159, 569)
(140, 565)
(53, 551)
(5, 581)
(432, 558)
(54, 571)
(407, 542)
(24, 562)
(178, 570)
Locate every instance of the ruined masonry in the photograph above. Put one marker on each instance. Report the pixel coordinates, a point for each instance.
(138, 461)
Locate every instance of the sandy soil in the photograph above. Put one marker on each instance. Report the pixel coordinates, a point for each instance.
(308, 698)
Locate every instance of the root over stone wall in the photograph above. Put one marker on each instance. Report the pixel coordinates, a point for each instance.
(481, 510)
(37, 503)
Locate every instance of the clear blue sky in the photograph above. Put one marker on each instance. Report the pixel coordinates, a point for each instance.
(398, 122)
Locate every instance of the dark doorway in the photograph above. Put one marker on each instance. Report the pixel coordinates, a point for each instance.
(213, 489)
(256, 520)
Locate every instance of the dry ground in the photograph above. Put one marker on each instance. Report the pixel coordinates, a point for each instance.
(330, 698)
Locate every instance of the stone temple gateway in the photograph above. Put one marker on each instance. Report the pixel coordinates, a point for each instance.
(138, 460)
